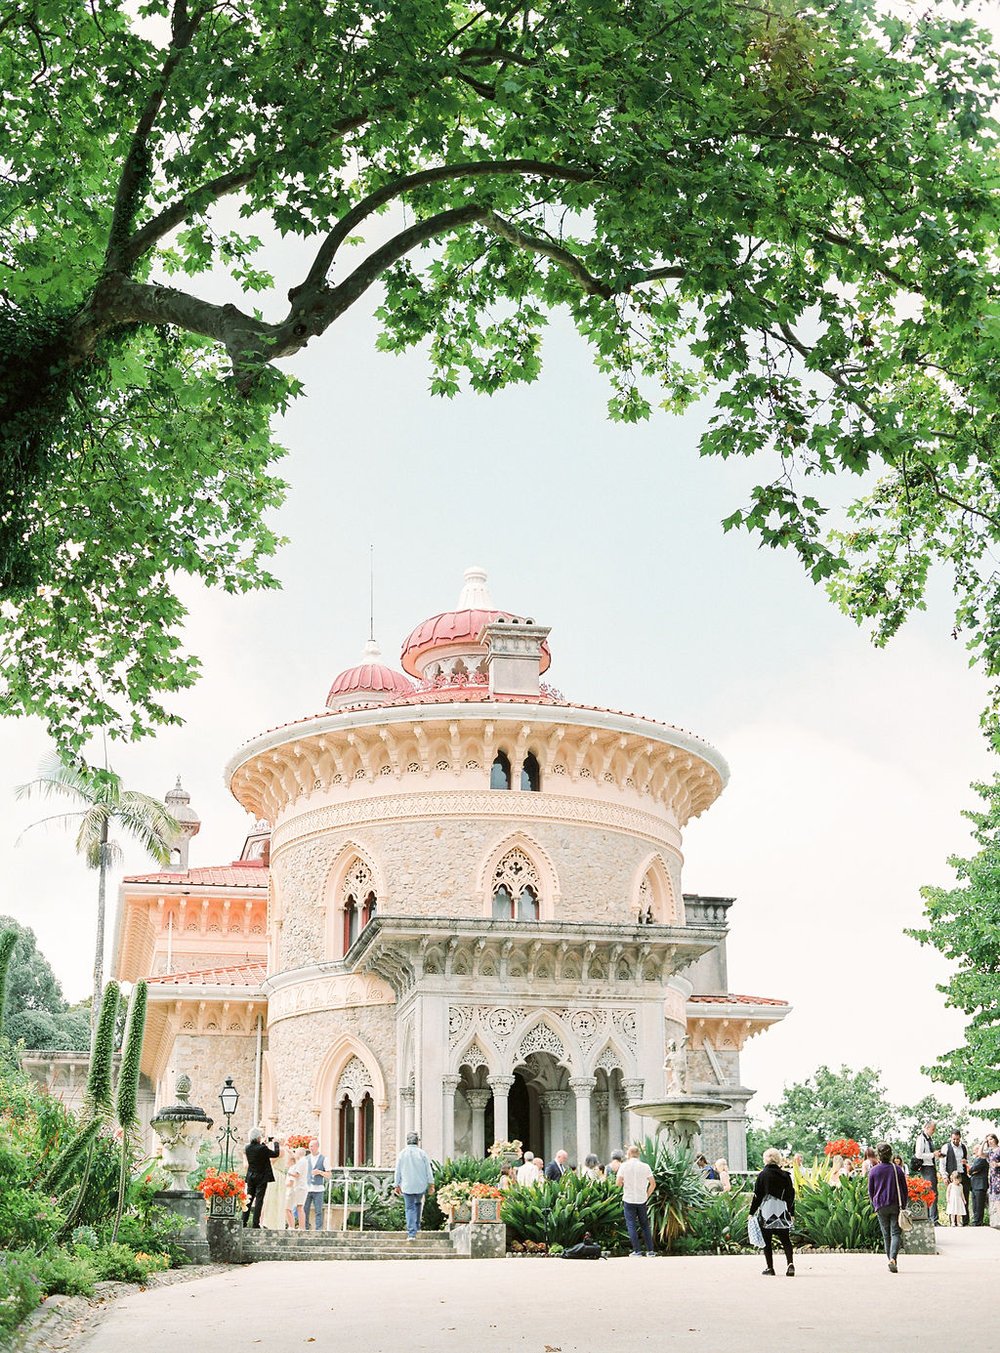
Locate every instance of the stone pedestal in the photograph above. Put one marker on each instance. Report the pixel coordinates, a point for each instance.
(480, 1240)
(225, 1240)
(189, 1206)
(920, 1238)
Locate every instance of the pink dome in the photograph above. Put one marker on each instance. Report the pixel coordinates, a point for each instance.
(453, 627)
(369, 678)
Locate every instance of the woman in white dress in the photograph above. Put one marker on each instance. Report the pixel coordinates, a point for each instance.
(298, 1186)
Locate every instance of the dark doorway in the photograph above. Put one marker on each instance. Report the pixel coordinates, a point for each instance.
(519, 1115)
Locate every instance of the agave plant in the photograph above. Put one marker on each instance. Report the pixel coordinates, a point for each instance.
(561, 1211)
(718, 1227)
(836, 1218)
(679, 1187)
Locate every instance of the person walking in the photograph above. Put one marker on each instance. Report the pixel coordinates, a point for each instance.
(317, 1173)
(773, 1204)
(888, 1194)
(414, 1178)
(979, 1171)
(992, 1153)
(259, 1174)
(297, 1185)
(637, 1182)
(956, 1161)
(927, 1153)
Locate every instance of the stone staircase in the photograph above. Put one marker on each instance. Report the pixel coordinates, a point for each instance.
(262, 1245)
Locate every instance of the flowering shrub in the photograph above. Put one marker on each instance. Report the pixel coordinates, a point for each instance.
(223, 1184)
(484, 1191)
(298, 1139)
(457, 1192)
(920, 1190)
(843, 1146)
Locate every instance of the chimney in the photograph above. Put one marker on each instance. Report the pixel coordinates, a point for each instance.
(513, 655)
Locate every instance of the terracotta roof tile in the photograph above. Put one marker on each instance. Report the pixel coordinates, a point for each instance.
(733, 999)
(237, 975)
(241, 874)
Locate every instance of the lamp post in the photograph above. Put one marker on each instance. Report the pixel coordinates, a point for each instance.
(229, 1097)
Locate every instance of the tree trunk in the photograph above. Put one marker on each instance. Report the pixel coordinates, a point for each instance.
(102, 881)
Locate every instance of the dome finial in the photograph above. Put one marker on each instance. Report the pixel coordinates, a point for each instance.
(475, 595)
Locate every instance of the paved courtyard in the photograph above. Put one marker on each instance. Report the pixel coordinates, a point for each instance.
(699, 1305)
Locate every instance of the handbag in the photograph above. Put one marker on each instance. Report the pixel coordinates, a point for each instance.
(905, 1220)
(754, 1234)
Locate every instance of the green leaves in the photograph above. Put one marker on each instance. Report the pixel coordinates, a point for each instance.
(793, 210)
(963, 924)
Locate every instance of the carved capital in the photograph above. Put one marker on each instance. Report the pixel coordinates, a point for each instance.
(477, 1099)
(501, 1085)
(449, 1084)
(582, 1086)
(554, 1099)
(407, 1094)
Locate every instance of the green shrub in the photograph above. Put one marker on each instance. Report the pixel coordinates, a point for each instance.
(84, 1238)
(118, 1263)
(388, 1214)
(469, 1168)
(559, 1211)
(718, 1226)
(21, 1288)
(836, 1218)
(679, 1189)
(72, 1274)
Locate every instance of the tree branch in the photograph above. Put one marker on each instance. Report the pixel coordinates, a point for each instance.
(136, 164)
(407, 182)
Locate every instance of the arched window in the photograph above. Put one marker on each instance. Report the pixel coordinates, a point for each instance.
(500, 771)
(359, 901)
(366, 1130)
(345, 1154)
(531, 773)
(503, 904)
(516, 889)
(371, 903)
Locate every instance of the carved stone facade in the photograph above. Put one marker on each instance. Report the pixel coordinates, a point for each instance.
(467, 918)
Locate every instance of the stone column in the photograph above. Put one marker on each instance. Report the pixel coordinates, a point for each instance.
(582, 1087)
(449, 1084)
(632, 1092)
(605, 1145)
(478, 1099)
(501, 1086)
(406, 1097)
(554, 1102)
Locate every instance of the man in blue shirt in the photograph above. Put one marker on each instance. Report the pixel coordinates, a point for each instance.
(414, 1178)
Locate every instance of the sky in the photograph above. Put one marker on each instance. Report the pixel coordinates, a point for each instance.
(849, 766)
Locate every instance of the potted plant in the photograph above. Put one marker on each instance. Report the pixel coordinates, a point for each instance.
(455, 1200)
(225, 1192)
(507, 1153)
(486, 1201)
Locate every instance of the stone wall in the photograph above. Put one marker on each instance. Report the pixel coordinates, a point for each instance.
(315, 1046)
(208, 1059)
(440, 869)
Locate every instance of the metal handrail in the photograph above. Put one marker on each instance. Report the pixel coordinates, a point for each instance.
(379, 1177)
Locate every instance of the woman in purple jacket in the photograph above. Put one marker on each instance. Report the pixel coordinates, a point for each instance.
(888, 1193)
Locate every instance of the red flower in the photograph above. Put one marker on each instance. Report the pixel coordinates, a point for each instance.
(920, 1190)
(222, 1184)
(843, 1146)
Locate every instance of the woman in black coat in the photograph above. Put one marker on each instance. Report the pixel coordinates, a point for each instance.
(774, 1206)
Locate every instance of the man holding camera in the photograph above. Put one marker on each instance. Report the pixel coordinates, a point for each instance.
(259, 1173)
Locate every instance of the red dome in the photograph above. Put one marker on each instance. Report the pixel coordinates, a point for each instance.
(371, 678)
(450, 628)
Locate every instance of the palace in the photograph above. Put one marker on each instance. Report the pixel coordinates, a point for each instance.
(460, 910)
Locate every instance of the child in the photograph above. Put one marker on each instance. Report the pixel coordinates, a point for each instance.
(956, 1199)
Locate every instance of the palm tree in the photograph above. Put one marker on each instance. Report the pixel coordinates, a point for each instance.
(104, 804)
